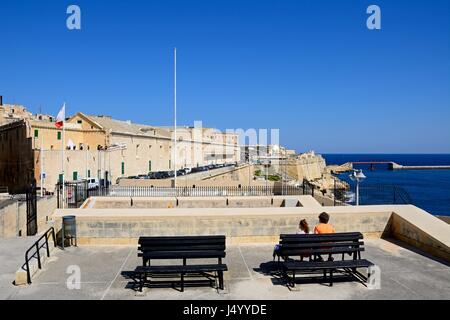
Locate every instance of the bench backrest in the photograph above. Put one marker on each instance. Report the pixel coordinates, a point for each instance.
(180, 247)
(293, 244)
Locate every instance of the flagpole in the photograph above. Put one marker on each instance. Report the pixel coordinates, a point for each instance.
(175, 122)
(63, 155)
(42, 165)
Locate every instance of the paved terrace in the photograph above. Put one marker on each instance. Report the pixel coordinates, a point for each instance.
(406, 274)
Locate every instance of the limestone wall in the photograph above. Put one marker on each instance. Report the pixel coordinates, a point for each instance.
(124, 226)
(421, 230)
(199, 202)
(13, 217)
(114, 226)
(309, 168)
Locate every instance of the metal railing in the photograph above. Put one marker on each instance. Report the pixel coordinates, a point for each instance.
(77, 194)
(132, 191)
(36, 246)
(372, 194)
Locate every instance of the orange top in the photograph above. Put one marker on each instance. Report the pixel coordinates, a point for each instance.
(322, 228)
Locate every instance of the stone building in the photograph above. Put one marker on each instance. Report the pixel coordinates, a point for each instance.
(100, 147)
(11, 113)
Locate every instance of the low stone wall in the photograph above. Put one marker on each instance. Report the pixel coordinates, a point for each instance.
(199, 202)
(114, 226)
(421, 230)
(13, 216)
(124, 226)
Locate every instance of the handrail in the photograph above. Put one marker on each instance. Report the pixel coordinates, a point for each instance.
(36, 246)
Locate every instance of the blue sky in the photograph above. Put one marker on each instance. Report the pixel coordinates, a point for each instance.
(310, 68)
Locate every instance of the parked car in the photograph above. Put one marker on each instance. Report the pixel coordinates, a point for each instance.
(93, 183)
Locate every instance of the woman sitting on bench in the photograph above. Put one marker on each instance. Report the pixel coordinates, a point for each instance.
(303, 228)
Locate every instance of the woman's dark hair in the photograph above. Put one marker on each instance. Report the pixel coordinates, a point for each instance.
(324, 217)
(304, 226)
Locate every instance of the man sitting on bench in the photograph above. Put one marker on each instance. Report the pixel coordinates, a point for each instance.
(324, 228)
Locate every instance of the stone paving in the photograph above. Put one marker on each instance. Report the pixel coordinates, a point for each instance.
(405, 274)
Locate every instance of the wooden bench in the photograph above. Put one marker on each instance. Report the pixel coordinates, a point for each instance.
(306, 253)
(183, 249)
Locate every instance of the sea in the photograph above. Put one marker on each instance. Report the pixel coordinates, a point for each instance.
(427, 189)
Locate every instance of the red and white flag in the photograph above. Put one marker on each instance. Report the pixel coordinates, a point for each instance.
(61, 117)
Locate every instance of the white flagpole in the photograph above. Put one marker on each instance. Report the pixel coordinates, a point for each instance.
(175, 122)
(42, 165)
(63, 162)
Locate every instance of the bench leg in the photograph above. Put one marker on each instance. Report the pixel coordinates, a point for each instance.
(293, 279)
(141, 281)
(221, 287)
(182, 282)
(331, 277)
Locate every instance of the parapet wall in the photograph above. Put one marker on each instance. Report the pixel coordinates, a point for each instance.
(199, 202)
(123, 226)
(13, 216)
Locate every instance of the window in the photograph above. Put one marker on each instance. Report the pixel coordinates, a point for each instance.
(89, 173)
(36, 133)
(59, 135)
(123, 168)
(170, 164)
(75, 176)
(60, 178)
(150, 166)
(79, 121)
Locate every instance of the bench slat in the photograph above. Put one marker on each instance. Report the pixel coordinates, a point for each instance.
(321, 245)
(306, 265)
(319, 239)
(182, 269)
(182, 247)
(190, 239)
(182, 254)
(303, 252)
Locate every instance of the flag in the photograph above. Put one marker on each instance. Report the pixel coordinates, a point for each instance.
(61, 117)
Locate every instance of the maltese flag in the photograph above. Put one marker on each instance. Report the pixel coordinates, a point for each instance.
(61, 117)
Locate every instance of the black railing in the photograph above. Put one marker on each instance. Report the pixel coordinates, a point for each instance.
(37, 247)
(372, 194)
(76, 194)
(133, 191)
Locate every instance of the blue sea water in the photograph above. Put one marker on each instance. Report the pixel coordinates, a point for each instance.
(428, 189)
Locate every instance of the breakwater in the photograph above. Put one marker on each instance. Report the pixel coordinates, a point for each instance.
(396, 166)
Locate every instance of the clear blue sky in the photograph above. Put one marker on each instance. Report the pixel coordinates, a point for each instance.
(310, 68)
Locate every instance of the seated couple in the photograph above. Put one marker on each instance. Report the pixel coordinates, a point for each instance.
(324, 227)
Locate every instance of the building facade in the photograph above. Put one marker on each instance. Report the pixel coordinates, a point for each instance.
(100, 147)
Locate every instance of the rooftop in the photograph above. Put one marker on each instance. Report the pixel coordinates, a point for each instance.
(405, 274)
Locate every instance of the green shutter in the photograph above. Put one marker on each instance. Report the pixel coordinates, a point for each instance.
(123, 168)
(59, 135)
(60, 178)
(75, 176)
(89, 173)
(36, 133)
(150, 166)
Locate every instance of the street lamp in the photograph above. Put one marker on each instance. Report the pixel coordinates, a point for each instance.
(358, 176)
